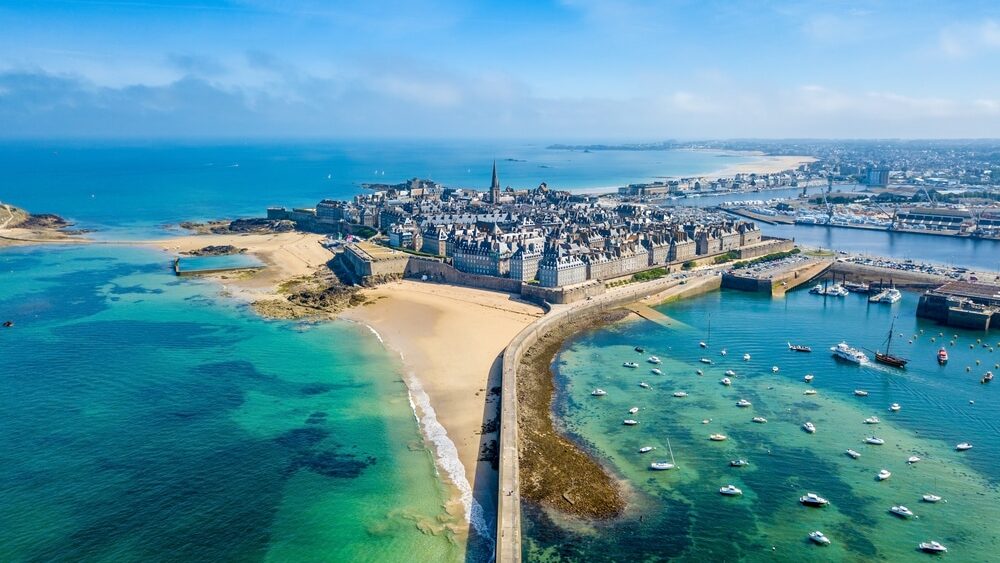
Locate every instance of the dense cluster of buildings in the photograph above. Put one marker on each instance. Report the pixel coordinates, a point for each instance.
(540, 236)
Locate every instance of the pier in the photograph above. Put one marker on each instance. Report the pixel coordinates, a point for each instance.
(650, 314)
(777, 279)
(508, 533)
(971, 305)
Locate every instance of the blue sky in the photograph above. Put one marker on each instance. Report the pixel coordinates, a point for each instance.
(559, 70)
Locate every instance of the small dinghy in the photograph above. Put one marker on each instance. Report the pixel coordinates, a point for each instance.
(646, 449)
(883, 475)
(760, 420)
(680, 394)
(598, 392)
(853, 454)
(630, 422)
(717, 437)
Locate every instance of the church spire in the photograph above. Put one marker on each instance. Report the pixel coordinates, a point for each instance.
(495, 185)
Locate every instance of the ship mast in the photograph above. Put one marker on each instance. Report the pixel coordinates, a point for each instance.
(888, 341)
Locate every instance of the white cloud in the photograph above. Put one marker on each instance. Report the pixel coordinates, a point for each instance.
(966, 40)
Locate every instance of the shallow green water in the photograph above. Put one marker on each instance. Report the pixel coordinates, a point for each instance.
(680, 513)
(144, 420)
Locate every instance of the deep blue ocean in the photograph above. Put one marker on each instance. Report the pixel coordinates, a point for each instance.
(133, 189)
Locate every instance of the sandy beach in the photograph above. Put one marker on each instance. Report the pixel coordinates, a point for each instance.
(287, 256)
(451, 339)
(764, 164)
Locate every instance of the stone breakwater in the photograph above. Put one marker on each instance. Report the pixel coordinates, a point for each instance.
(508, 537)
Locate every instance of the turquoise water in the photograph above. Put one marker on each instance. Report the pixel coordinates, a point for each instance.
(194, 263)
(131, 191)
(679, 514)
(144, 420)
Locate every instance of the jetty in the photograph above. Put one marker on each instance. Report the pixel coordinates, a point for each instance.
(651, 314)
(777, 279)
(508, 533)
(964, 304)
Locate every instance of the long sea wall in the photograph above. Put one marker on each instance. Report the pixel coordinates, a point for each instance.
(508, 535)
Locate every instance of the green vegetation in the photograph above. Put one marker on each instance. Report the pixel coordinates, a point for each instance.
(727, 257)
(767, 258)
(648, 275)
(688, 265)
(363, 231)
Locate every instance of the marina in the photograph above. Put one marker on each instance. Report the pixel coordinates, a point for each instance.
(935, 415)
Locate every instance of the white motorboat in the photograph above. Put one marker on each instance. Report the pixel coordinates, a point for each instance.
(746, 357)
(699, 372)
(730, 373)
(891, 295)
(743, 403)
(656, 371)
(653, 360)
(726, 381)
(853, 454)
(598, 392)
(860, 393)
(812, 499)
(646, 449)
(808, 378)
(809, 392)
(809, 427)
(630, 422)
(680, 394)
(874, 441)
(933, 547)
(894, 407)
(739, 463)
(872, 420)
(817, 289)
(644, 385)
(912, 459)
(661, 465)
(819, 538)
(883, 475)
(633, 410)
(836, 290)
(730, 490)
(632, 365)
(703, 345)
(902, 511)
(963, 446)
(717, 437)
(846, 353)
(760, 420)
(774, 369)
(723, 352)
(931, 498)
(705, 361)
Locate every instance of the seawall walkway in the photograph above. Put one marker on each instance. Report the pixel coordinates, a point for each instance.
(508, 535)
